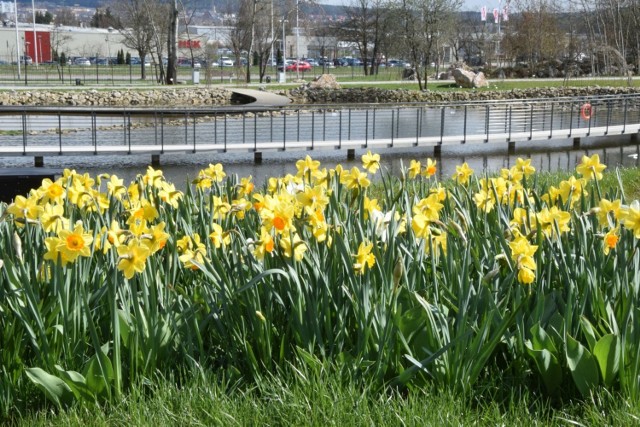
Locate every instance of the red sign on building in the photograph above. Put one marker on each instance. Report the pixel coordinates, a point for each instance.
(189, 44)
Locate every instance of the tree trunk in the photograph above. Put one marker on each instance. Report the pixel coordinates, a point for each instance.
(172, 46)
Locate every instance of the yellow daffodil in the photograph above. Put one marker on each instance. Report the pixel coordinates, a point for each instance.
(608, 212)
(631, 218)
(610, 240)
(52, 218)
(590, 167)
(414, 169)
(265, 245)
(355, 179)
(52, 192)
(430, 168)
(524, 166)
(306, 166)
(364, 258)
(463, 173)
(293, 247)
(133, 257)
(371, 162)
(75, 243)
(219, 237)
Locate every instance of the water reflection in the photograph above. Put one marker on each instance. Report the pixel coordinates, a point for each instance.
(553, 155)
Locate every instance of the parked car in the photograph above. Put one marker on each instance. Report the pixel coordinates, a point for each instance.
(311, 62)
(82, 61)
(186, 62)
(299, 66)
(225, 61)
(26, 59)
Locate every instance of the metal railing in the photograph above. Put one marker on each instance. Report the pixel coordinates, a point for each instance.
(82, 131)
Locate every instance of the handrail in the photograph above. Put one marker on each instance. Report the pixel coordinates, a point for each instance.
(157, 131)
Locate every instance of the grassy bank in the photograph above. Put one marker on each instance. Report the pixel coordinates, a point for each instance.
(309, 400)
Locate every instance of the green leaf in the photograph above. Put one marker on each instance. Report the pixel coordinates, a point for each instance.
(78, 384)
(607, 353)
(589, 332)
(583, 366)
(55, 388)
(540, 340)
(125, 327)
(548, 366)
(99, 374)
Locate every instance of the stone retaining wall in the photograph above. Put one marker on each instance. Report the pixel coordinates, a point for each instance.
(218, 96)
(117, 98)
(376, 95)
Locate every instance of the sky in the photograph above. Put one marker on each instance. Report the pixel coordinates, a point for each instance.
(467, 4)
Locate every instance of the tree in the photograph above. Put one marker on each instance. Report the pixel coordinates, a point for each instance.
(105, 19)
(422, 24)
(536, 34)
(44, 18)
(66, 17)
(366, 28)
(137, 31)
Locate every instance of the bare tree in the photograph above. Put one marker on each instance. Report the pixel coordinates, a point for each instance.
(366, 27)
(537, 35)
(66, 17)
(138, 30)
(422, 23)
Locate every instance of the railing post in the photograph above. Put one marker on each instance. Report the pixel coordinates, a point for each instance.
(624, 119)
(442, 114)
(284, 130)
(417, 126)
(510, 122)
(313, 125)
(486, 123)
(464, 130)
(24, 132)
(255, 131)
(531, 123)
(366, 129)
(340, 130)
(162, 133)
(551, 121)
(194, 132)
(60, 132)
(393, 116)
(606, 132)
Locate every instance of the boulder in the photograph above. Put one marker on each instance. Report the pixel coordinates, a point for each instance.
(324, 81)
(469, 79)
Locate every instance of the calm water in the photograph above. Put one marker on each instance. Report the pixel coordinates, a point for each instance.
(552, 155)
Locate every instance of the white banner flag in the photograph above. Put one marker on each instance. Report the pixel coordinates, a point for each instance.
(483, 13)
(496, 15)
(505, 13)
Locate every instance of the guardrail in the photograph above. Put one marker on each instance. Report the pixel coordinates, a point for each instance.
(40, 132)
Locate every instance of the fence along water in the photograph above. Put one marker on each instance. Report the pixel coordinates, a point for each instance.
(40, 132)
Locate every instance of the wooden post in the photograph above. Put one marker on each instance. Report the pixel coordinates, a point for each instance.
(351, 154)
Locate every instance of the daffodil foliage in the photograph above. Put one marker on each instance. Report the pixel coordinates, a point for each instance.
(406, 282)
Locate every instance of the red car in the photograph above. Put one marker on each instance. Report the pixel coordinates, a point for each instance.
(301, 66)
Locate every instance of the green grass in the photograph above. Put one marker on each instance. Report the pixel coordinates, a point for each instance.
(323, 401)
